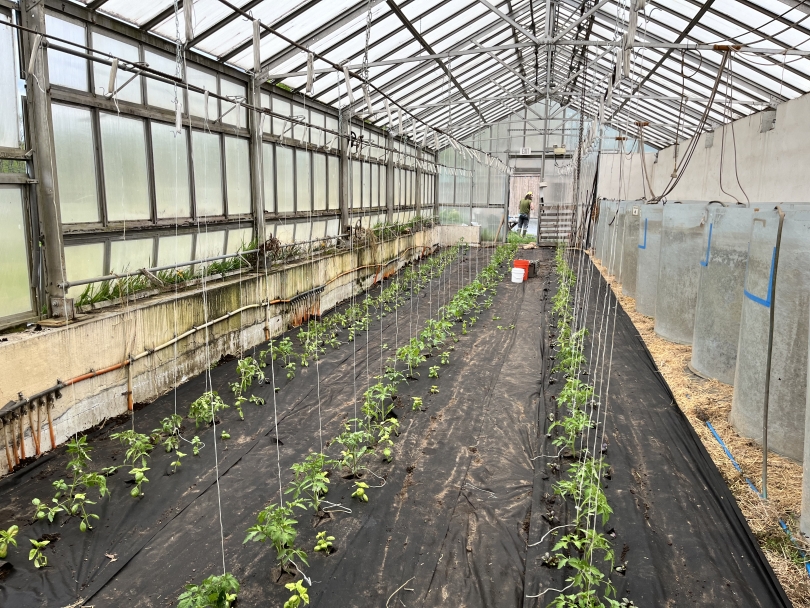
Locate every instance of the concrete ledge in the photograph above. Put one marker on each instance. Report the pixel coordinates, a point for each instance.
(31, 362)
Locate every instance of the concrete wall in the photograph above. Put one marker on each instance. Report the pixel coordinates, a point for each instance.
(32, 361)
(769, 165)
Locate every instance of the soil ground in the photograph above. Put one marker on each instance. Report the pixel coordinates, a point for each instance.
(458, 506)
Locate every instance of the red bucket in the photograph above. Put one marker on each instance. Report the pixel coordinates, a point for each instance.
(524, 264)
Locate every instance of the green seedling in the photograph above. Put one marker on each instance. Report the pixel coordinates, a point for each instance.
(140, 478)
(290, 367)
(214, 592)
(138, 448)
(168, 432)
(225, 435)
(434, 390)
(35, 554)
(299, 597)
(196, 446)
(311, 482)
(72, 498)
(433, 371)
(203, 409)
(275, 523)
(417, 403)
(444, 358)
(355, 444)
(178, 455)
(323, 542)
(360, 491)
(6, 539)
(496, 318)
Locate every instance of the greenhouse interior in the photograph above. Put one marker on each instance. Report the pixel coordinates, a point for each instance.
(382, 303)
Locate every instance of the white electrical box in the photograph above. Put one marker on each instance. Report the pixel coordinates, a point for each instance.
(525, 151)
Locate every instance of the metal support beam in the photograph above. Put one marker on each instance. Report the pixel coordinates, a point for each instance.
(50, 218)
(425, 45)
(257, 165)
(568, 28)
(512, 22)
(345, 169)
(389, 176)
(665, 56)
(420, 176)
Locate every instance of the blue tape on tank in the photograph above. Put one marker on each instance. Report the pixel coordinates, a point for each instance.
(767, 301)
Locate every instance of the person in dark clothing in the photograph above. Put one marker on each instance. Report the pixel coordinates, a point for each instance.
(524, 208)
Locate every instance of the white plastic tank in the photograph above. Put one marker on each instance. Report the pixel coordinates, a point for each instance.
(679, 271)
(720, 291)
(607, 221)
(615, 252)
(788, 398)
(649, 250)
(632, 214)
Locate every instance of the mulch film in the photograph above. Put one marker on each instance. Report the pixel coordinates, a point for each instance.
(463, 498)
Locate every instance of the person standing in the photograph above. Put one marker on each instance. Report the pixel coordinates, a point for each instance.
(524, 208)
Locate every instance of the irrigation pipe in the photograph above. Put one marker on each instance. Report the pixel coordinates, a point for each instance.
(761, 495)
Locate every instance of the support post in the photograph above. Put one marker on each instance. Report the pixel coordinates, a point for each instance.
(389, 176)
(50, 219)
(548, 27)
(257, 167)
(344, 197)
(420, 176)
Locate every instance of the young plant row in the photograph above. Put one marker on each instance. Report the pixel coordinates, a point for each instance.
(373, 433)
(73, 498)
(583, 548)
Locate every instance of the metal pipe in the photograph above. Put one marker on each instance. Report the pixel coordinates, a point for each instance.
(21, 418)
(33, 435)
(5, 444)
(770, 356)
(48, 407)
(129, 385)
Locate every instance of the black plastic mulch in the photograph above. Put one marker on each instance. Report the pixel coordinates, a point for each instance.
(675, 522)
(463, 497)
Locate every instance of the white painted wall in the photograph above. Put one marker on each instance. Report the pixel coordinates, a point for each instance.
(770, 166)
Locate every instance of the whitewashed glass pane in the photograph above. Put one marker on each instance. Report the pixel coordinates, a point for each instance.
(496, 187)
(239, 239)
(123, 149)
(269, 229)
(9, 119)
(209, 244)
(367, 185)
(285, 233)
(397, 186)
(357, 184)
(319, 181)
(15, 297)
(75, 164)
(302, 181)
(170, 153)
(158, 93)
(280, 126)
(331, 138)
(101, 71)
(299, 131)
(316, 136)
(269, 178)
(175, 249)
(383, 178)
(462, 190)
(302, 232)
(267, 123)
(284, 180)
(63, 69)
(196, 101)
(318, 230)
(237, 174)
(333, 164)
(207, 173)
(83, 262)
(233, 89)
(375, 185)
(130, 255)
(333, 227)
